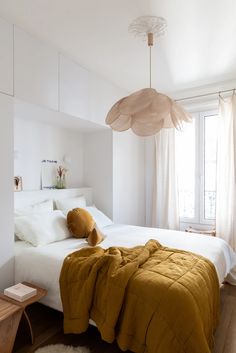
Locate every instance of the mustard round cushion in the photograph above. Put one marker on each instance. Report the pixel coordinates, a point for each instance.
(80, 222)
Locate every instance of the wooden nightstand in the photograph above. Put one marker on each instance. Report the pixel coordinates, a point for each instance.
(23, 305)
(10, 315)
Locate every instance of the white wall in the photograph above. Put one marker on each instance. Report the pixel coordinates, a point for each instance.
(98, 171)
(6, 192)
(35, 70)
(111, 163)
(36, 141)
(128, 179)
(6, 57)
(114, 168)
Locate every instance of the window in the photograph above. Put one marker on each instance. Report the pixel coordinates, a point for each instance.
(185, 150)
(196, 168)
(210, 133)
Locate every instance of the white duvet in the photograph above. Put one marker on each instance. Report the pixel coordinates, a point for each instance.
(42, 265)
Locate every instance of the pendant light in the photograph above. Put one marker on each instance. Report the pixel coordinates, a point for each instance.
(146, 111)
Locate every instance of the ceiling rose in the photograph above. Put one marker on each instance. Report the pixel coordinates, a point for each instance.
(148, 24)
(146, 111)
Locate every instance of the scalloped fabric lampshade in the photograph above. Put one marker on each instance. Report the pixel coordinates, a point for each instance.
(146, 112)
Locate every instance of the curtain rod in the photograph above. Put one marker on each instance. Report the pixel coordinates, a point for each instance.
(204, 95)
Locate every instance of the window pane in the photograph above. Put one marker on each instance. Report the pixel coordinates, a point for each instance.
(185, 164)
(211, 123)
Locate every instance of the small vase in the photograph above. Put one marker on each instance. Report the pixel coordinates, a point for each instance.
(61, 183)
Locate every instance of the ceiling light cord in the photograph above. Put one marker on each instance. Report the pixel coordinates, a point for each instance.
(150, 67)
(150, 44)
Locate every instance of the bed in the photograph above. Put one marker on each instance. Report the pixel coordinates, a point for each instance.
(42, 265)
(51, 256)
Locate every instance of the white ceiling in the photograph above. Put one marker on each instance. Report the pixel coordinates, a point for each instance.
(199, 46)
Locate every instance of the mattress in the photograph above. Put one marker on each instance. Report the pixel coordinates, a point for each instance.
(42, 265)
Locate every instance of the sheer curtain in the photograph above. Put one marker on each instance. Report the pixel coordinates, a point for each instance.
(226, 171)
(165, 193)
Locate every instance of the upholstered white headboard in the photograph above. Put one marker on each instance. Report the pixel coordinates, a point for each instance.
(26, 198)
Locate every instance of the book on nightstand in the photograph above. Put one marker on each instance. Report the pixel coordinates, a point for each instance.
(20, 292)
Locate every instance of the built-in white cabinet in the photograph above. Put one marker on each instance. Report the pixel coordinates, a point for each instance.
(85, 94)
(103, 95)
(74, 88)
(6, 57)
(44, 77)
(6, 192)
(35, 70)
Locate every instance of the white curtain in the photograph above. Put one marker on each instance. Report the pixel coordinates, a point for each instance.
(226, 171)
(165, 192)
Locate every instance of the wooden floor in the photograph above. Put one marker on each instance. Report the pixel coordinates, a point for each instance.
(47, 325)
(225, 337)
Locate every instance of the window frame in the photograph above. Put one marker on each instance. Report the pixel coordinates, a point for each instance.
(199, 192)
(202, 115)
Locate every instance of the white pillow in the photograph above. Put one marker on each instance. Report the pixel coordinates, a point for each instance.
(68, 204)
(44, 206)
(100, 218)
(42, 228)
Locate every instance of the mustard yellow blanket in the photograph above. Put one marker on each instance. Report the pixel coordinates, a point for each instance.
(149, 298)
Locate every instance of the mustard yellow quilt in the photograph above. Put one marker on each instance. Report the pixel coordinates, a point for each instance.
(151, 299)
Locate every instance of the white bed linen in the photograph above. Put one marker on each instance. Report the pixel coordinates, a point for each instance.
(42, 265)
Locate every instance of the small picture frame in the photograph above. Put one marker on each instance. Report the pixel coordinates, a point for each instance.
(17, 183)
(48, 174)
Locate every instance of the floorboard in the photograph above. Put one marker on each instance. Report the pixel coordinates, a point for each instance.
(48, 329)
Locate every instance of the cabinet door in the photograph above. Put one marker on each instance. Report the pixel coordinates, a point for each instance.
(6, 192)
(74, 88)
(6, 57)
(103, 96)
(85, 94)
(36, 70)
